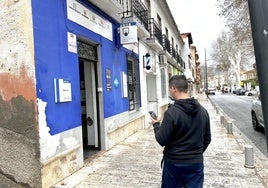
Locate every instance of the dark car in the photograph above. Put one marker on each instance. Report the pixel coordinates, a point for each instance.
(241, 91)
(235, 90)
(256, 114)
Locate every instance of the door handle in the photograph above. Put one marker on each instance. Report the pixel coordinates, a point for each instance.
(89, 121)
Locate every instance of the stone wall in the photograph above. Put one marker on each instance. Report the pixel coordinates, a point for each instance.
(60, 166)
(121, 133)
(18, 109)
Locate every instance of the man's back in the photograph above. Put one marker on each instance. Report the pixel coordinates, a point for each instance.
(185, 133)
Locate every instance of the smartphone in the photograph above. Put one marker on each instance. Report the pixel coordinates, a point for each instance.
(153, 114)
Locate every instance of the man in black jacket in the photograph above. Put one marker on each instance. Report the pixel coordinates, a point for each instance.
(185, 135)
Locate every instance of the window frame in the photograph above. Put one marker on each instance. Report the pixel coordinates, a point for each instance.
(133, 83)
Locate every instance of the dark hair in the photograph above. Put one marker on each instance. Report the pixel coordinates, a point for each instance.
(179, 82)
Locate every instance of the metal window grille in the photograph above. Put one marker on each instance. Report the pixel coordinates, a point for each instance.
(133, 79)
(166, 43)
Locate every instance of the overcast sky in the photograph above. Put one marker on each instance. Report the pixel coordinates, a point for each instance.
(200, 18)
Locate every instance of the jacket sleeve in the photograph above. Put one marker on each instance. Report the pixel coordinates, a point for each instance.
(163, 132)
(207, 135)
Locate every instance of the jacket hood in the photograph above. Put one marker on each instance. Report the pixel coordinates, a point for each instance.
(189, 106)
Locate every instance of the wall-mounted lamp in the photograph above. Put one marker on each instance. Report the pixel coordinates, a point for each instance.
(147, 61)
(162, 62)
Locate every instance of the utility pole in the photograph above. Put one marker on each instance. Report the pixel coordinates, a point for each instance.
(258, 18)
(206, 73)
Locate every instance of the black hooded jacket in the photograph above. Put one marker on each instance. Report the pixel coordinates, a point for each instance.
(184, 131)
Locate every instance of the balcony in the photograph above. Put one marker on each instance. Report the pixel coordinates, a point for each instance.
(180, 61)
(166, 44)
(155, 40)
(136, 11)
(197, 81)
(197, 71)
(174, 53)
(155, 30)
(110, 7)
(131, 10)
(141, 12)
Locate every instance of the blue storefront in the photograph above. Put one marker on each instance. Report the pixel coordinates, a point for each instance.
(86, 83)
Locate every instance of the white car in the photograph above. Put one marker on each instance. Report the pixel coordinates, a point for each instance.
(251, 93)
(211, 91)
(256, 114)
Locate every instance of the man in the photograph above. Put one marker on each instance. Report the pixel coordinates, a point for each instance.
(185, 133)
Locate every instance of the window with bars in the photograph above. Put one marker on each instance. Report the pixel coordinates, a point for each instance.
(133, 80)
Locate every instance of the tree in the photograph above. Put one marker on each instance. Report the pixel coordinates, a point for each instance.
(228, 58)
(233, 50)
(236, 14)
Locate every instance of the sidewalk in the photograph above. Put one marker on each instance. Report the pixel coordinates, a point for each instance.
(135, 163)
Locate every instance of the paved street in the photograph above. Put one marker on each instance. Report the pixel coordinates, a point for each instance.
(238, 108)
(136, 162)
(7, 183)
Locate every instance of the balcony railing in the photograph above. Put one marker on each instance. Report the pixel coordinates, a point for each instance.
(174, 53)
(166, 43)
(140, 10)
(155, 30)
(180, 61)
(177, 58)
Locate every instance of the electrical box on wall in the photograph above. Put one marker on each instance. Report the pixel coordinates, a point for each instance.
(63, 90)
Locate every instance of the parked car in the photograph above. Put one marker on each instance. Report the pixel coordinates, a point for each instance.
(211, 91)
(251, 93)
(256, 114)
(235, 90)
(241, 91)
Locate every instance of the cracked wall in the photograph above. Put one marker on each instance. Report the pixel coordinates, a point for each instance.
(18, 109)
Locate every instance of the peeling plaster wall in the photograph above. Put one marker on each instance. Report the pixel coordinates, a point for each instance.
(61, 154)
(53, 145)
(18, 118)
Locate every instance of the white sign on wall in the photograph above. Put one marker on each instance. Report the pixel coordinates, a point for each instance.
(63, 90)
(124, 85)
(81, 15)
(72, 46)
(128, 33)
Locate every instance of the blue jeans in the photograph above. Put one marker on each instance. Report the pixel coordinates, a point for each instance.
(182, 175)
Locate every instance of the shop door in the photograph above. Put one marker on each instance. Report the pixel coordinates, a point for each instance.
(89, 103)
(89, 99)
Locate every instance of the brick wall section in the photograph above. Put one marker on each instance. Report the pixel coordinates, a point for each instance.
(18, 122)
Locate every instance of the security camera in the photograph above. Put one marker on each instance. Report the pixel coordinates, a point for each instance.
(125, 31)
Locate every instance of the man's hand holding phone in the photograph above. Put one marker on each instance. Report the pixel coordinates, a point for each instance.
(154, 117)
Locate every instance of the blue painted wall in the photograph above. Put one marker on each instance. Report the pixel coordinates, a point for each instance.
(53, 60)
